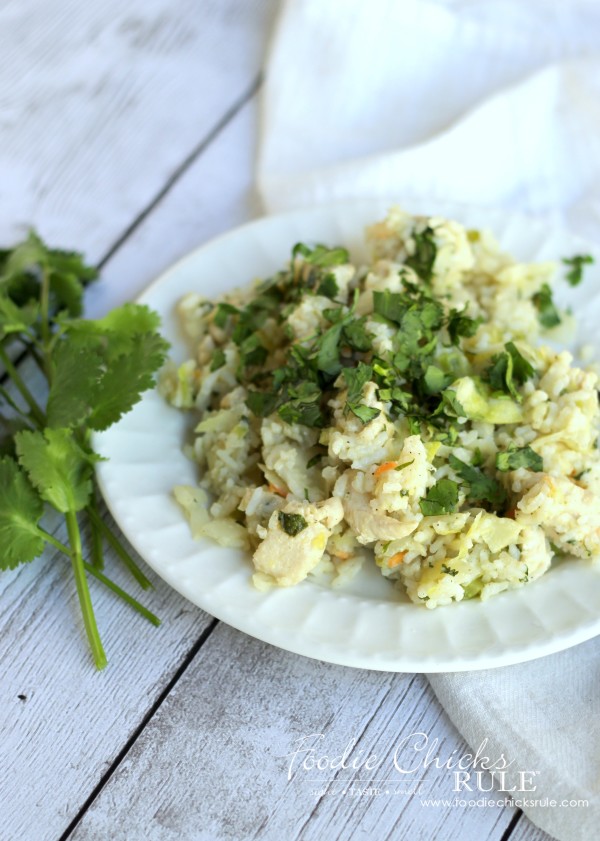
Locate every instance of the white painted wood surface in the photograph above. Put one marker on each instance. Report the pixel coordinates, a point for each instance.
(124, 124)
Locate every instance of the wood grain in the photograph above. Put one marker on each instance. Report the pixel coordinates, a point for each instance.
(100, 104)
(213, 762)
(64, 724)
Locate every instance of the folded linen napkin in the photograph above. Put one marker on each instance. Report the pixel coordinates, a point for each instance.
(494, 103)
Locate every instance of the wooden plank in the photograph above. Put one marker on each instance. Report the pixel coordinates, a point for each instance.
(63, 724)
(101, 102)
(214, 761)
(216, 194)
(527, 831)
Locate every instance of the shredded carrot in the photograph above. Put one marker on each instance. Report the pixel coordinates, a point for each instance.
(343, 556)
(383, 468)
(275, 490)
(396, 559)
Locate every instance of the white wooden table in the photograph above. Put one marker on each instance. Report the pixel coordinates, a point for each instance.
(128, 130)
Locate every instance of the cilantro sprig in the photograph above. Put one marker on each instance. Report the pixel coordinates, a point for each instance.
(95, 371)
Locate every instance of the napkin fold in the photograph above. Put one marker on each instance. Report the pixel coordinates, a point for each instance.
(494, 103)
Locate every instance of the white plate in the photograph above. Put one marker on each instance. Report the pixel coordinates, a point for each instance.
(367, 624)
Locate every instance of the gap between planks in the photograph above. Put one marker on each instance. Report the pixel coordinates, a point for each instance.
(139, 729)
(171, 181)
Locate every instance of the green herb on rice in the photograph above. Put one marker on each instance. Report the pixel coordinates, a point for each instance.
(575, 275)
(292, 524)
(547, 312)
(515, 457)
(442, 498)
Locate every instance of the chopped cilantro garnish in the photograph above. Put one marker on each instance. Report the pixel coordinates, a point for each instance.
(252, 351)
(448, 570)
(356, 379)
(222, 312)
(481, 488)
(364, 413)
(218, 359)
(390, 305)
(424, 254)
(292, 524)
(451, 405)
(261, 403)
(320, 255)
(328, 286)
(303, 405)
(509, 370)
(442, 498)
(575, 275)
(547, 312)
(435, 380)
(460, 324)
(404, 464)
(357, 336)
(516, 457)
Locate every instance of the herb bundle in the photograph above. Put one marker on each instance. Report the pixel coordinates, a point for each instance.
(95, 371)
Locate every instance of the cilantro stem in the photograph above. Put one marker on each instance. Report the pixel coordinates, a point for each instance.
(119, 549)
(97, 550)
(122, 594)
(36, 412)
(45, 324)
(89, 620)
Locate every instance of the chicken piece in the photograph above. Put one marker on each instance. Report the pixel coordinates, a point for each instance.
(287, 557)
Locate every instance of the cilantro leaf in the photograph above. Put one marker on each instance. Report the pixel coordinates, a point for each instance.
(222, 312)
(575, 275)
(20, 511)
(320, 255)
(357, 336)
(15, 319)
(356, 379)
(218, 359)
(516, 457)
(460, 324)
(252, 351)
(442, 498)
(435, 380)
(262, 403)
(480, 487)
(292, 524)
(365, 414)
(390, 305)
(423, 258)
(78, 368)
(451, 405)
(547, 312)
(328, 287)
(58, 467)
(508, 370)
(126, 378)
(303, 405)
(328, 351)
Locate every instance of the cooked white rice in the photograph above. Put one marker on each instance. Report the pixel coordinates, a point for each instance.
(405, 412)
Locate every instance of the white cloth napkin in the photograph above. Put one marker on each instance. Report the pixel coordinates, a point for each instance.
(489, 102)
